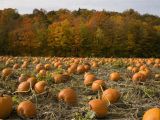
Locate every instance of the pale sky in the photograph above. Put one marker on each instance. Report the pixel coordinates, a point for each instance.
(27, 6)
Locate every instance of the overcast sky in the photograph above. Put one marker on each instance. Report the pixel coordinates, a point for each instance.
(27, 6)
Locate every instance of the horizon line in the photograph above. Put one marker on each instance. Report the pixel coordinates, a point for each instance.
(90, 9)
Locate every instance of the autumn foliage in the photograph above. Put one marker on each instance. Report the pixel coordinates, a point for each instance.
(79, 33)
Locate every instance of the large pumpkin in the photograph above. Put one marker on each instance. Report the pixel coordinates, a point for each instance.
(152, 114)
(6, 104)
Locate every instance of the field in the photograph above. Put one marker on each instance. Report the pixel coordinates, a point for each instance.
(136, 94)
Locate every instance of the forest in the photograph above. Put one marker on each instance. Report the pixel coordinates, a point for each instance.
(79, 33)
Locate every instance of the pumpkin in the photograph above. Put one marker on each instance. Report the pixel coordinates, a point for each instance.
(68, 95)
(115, 76)
(129, 68)
(58, 78)
(98, 85)
(134, 69)
(87, 66)
(137, 77)
(89, 79)
(6, 105)
(23, 77)
(6, 72)
(32, 81)
(146, 73)
(39, 67)
(87, 73)
(42, 73)
(111, 95)
(94, 64)
(152, 114)
(24, 66)
(16, 66)
(47, 66)
(71, 70)
(57, 64)
(40, 87)
(99, 107)
(26, 109)
(24, 86)
(81, 69)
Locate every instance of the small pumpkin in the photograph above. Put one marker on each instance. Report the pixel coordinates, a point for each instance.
(40, 87)
(16, 66)
(39, 67)
(129, 68)
(98, 85)
(26, 109)
(115, 76)
(68, 95)
(111, 95)
(87, 73)
(58, 78)
(138, 77)
(24, 65)
(6, 72)
(32, 81)
(81, 69)
(135, 69)
(89, 79)
(95, 64)
(87, 66)
(47, 66)
(22, 78)
(24, 86)
(99, 107)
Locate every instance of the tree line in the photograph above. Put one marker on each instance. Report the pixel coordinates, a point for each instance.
(79, 33)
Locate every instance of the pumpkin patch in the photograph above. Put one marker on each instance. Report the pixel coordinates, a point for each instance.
(79, 88)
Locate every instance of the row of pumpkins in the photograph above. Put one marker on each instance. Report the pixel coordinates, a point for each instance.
(68, 95)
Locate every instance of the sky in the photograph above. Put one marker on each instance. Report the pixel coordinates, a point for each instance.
(27, 6)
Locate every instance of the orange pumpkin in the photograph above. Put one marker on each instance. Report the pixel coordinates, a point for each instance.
(6, 105)
(115, 76)
(40, 87)
(81, 69)
(47, 66)
(138, 77)
(89, 79)
(16, 66)
(42, 73)
(134, 69)
(68, 95)
(58, 78)
(152, 114)
(32, 81)
(24, 86)
(111, 95)
(39, 67)
(26, 109)
(6, 72)
(98, 85)
(94, 64)
(99, 107)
